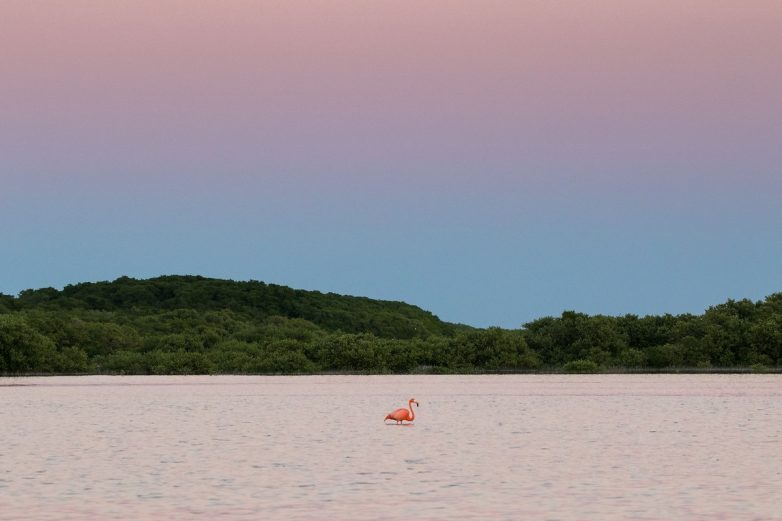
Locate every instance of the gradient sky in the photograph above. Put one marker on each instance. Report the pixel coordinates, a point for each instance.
(491, 161)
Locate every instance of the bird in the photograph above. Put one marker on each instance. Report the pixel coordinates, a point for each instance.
(403, 414)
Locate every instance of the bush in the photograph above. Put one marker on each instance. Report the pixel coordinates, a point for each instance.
(581, 366)
(280, 362)
(631, 358)
(72, 360)
(123, 362)
(23, 349)
(667, 355)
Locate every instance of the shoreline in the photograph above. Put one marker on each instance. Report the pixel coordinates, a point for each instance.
(681, 370)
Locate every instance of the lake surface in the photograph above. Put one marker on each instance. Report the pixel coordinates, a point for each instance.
(646, 447)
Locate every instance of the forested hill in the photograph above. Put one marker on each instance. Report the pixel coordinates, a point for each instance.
(253, 299)
(184, 324)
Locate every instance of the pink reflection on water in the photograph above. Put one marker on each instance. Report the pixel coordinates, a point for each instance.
(301, 448)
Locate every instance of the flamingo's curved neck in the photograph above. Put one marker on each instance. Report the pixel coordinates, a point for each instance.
(412, 411)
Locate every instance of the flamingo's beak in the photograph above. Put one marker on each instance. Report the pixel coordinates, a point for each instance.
(416, 404)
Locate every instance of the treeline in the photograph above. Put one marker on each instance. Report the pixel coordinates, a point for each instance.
(184, 325)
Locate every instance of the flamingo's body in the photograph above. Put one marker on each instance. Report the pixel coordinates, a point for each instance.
(400, 415)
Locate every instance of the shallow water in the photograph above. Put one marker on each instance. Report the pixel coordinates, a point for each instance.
(483, 447)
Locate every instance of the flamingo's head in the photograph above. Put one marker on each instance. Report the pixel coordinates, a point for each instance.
(412, 400)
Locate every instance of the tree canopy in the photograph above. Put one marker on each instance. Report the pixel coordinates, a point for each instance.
(190, 324)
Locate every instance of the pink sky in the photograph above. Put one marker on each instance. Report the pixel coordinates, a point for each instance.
(512, 129)
(571, 73)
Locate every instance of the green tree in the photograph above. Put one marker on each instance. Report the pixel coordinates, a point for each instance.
(22, 349)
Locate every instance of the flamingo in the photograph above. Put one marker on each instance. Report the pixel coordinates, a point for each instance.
(403, 414)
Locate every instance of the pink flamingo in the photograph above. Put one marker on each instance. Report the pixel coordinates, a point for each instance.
(403, 414)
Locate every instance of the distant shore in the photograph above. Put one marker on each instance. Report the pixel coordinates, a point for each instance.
(676, 370)
(196, 325)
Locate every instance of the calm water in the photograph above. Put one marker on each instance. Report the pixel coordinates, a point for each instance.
(482, 447)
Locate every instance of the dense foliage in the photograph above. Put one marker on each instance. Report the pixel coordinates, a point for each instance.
(180, 325)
